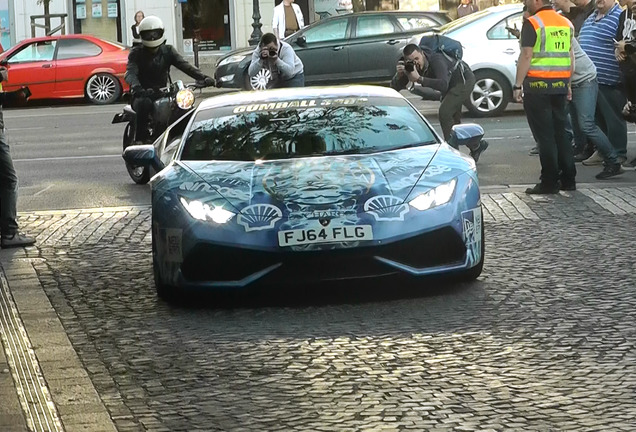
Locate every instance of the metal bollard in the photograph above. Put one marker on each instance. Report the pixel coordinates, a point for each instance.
(195, 49)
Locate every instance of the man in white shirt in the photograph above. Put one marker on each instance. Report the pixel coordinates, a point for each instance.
(288, 18)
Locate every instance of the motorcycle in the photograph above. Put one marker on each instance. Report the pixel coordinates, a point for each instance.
(172, 103)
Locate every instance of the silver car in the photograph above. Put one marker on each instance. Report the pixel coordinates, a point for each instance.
(491, 50)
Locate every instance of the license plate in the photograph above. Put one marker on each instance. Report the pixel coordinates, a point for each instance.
(325, 235)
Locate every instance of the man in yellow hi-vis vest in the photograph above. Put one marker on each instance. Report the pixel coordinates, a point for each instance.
(543, 77)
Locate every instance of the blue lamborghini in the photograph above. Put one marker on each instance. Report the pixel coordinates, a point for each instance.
(310, 184)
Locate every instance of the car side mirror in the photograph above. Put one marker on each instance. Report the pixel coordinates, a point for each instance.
(468, 134)
(144, 155)
(4, 62)
(301, 41)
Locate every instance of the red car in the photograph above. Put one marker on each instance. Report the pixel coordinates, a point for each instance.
(69, 66)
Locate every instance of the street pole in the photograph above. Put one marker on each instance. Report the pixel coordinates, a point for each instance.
(255, 37)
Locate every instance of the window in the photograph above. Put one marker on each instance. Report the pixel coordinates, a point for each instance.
(374, 25)
(322, 127)
(332, 30)
(77, 48)
(414, 22)
(38, 51)
(499, 31)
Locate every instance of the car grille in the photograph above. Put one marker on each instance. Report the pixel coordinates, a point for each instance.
(207, 262)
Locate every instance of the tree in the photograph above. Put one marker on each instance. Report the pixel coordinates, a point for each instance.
(47, 18)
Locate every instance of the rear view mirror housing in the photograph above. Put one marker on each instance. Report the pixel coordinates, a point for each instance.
(468, 134)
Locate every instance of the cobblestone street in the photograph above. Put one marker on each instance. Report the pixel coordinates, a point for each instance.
(544, 340)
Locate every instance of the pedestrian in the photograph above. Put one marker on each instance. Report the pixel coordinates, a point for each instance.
(543, 74)
(433, 73)
(9, 235)
(288, 19)
(584, 9)
(583, 107)
(625, 53)
(139, 16)
(276, 62)
(466, 7)
(597, 40)
(569, 10)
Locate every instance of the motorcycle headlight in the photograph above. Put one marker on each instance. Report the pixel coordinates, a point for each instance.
(185, 99)
(231, 59)
(204, 212)
(435, 197)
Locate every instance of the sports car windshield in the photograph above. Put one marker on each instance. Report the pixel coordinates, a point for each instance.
(302, 128)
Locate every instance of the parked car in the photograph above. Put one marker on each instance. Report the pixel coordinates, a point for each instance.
(70, 66)
(256, 188)
(354, 48)
(491, 51)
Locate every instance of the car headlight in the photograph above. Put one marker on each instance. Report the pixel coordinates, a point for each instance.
(435, 197)
(201, 211)
(231, 59)
(185, 99)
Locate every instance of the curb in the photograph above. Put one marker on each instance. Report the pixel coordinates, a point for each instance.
(52, 385)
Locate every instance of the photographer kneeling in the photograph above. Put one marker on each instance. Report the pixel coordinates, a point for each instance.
(280, 60)
(434, 76)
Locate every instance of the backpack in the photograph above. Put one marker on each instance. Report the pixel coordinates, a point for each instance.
(449, 47)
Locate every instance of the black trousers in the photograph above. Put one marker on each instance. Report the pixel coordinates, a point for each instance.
(144, 107)
(546, 115)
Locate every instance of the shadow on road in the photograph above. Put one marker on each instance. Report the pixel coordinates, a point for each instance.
(300, 296)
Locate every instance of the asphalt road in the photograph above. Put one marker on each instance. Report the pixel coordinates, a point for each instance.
(68, 155)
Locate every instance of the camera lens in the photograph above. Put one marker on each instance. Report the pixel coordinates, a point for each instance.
(272, 52)
(409, 67)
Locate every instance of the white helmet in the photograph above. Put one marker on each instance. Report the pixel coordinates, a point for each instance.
(151, 31)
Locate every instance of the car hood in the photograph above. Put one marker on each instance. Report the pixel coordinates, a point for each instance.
(329, 182)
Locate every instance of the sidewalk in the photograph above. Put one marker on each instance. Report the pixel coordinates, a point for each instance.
(41, 377)
(44, 386)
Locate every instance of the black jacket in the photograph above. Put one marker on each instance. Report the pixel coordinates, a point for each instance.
(148, 69)
(440, 75)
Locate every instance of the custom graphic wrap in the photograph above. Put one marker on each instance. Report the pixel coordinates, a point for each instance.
(472, 226)
(230, 223)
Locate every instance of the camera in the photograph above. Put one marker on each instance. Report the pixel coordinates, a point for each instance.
(409, 65)
(273, 52)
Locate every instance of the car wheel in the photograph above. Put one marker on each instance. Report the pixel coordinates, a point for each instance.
(103, 88)
(473, 273)
(261, 81)
(139, 174)
(491, 94)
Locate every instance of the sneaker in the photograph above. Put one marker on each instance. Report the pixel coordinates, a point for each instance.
(610, 171)
(580, 157)
(567, 186)
(595, 159)
(629, 165)
(16, 240)
(621, 160)
(534, 151)
(483, 145)
(542, 189)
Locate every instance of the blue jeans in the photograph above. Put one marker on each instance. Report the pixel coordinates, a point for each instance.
(609, 116)
(583, 108)
(297, 80)
(8, 190)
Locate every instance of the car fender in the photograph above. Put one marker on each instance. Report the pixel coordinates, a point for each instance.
(111, 71)
(484, 66)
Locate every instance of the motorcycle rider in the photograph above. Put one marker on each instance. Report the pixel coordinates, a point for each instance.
(148, 70)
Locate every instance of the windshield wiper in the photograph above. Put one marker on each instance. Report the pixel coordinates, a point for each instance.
(419, 144)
